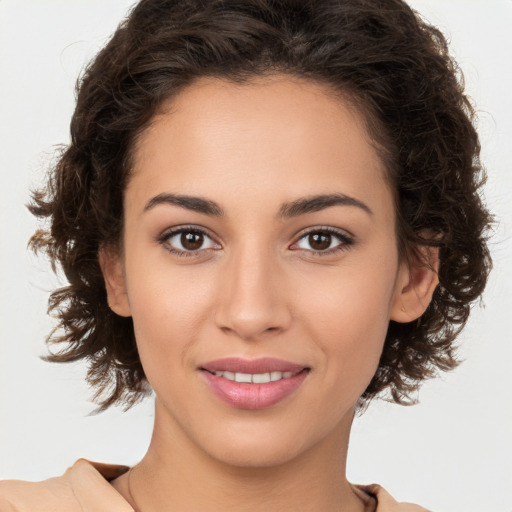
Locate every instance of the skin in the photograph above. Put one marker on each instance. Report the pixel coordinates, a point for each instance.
(257, 288)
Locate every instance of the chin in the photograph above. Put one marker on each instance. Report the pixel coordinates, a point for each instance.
(257, 446)
(254, 457)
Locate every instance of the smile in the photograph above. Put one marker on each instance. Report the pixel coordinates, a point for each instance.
(254, 378)
(253, 384)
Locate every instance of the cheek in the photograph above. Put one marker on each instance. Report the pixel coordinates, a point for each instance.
(169, 308)
(348, 317)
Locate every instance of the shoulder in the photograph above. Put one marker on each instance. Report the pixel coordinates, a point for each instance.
(84, 486)
(386, 503)
(52, 494)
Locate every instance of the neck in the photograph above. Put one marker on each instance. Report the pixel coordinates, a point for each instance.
(175, 474)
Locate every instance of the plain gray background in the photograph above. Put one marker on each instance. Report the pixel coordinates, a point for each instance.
(450, 453)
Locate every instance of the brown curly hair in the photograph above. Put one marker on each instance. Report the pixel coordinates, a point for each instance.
(381, 55)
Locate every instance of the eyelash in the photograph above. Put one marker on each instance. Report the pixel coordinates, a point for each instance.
(164, 240)
(345, 240)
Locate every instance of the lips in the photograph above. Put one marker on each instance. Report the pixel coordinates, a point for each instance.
(263, 365)
(253, 384)
(254, 378)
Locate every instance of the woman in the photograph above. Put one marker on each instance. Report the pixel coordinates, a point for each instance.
(269, 214)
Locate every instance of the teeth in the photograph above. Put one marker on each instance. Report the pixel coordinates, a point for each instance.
(243, 377)
(261, 378)
(254, 378)
(275, 376)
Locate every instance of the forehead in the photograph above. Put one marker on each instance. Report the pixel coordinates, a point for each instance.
(279, 132)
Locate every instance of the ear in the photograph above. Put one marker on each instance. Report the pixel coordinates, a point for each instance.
(115, 283)
(416, 281)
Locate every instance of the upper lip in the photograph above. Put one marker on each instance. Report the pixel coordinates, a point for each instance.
(262, 365)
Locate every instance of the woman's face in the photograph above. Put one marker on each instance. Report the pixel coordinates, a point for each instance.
(258, 225)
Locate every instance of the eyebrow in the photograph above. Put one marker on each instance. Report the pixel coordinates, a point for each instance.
(295, 208)
(196, 204)
(312, 204)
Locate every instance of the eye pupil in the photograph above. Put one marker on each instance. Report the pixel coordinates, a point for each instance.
(320, 241)
(191, 240)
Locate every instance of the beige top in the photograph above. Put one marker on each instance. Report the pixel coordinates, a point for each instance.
(85, 487)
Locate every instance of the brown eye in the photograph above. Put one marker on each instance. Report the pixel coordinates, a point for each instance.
(324, 241)
(320, 241)
(191, 240)
(188, 242)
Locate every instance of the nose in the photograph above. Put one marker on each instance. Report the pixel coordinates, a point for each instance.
(253, 303)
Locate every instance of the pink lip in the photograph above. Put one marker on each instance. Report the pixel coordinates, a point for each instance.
(243, 395)
(263, 365)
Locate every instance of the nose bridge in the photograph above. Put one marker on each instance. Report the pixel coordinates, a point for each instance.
(252, 302)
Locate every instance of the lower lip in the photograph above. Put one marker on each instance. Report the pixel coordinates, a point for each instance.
(253, 396)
